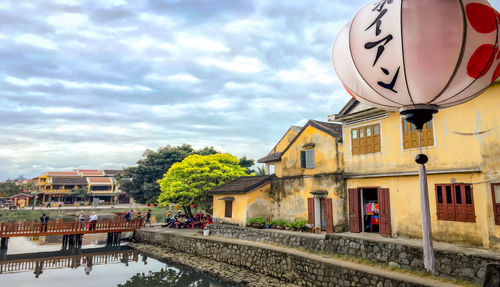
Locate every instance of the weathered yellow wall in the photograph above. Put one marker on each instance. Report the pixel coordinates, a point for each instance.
(245, 205)
(285, 141)
(289, 194)
(452, 148)
(466, 137)
(277, 167)
(325, 154)
(405, 208)
(289, 197)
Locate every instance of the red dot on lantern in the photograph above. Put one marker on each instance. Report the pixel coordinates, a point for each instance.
(496, 73)
(481, 60)
(481, 17)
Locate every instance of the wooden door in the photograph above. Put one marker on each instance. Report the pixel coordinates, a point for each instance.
(310, 210)
(496, 201)
(229, 209)
(354, 210)
(329, 215)
(384, 212)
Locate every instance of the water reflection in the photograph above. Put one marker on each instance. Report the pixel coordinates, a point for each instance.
(170, 277)
(94, 266)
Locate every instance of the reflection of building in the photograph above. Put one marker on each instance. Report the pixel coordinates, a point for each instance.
(37, 262)
(78, 185)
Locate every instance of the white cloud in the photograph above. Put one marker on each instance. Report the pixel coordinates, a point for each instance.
(35, 40)
(309, 71)
(182, 78)
(199, 43)
(74, 85)
(240, 64)
(67, 21)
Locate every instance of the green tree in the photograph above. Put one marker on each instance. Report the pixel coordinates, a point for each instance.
(140, 182)
(261, 170)
(189, 181)
(247, 164)
(80, 192)
(9, 188)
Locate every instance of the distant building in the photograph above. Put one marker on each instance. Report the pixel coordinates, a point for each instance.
(60, 186)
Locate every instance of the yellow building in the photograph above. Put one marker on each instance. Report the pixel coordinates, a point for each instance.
(242, 198)
(59, 186)
(308, 183)
(463, 146)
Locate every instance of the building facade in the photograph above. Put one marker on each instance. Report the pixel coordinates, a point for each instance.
(462, 144)
(307, 184)
(78, 186)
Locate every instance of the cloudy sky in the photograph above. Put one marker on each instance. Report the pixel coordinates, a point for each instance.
(92, 84)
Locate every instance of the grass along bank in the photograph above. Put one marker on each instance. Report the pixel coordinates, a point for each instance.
(20, 215)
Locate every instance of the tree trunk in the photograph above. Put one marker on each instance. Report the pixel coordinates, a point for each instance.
(190, 214)
(185, 210)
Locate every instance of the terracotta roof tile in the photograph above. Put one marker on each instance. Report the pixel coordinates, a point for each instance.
(102, 180)
(61, 173)
(243, 184)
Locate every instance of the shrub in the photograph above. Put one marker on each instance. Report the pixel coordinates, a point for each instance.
(300, 223)
(257, 219)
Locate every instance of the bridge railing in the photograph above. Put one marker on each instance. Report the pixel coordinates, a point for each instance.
(14, 229)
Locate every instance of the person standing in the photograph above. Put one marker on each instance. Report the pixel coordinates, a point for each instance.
(81, 220)
(44, 219)
(148, 217)
(93, 221)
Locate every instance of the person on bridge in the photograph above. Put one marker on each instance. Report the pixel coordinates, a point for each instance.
(93, 221)
(44, 219)
(81, 220)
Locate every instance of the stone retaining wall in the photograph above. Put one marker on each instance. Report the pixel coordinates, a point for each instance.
(464, 265)
(275, 262)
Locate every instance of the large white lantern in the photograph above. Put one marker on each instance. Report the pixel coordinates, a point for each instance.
(397, 53)
(418, 56)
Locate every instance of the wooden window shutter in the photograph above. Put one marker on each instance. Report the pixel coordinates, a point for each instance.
(459, 202)
(309, 158)
(310, 210)
(303, 159)
(470, 215)
(376, 138)
(440, 208)
(329, 215)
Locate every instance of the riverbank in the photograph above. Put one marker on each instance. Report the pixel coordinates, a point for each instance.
(221, 271)
(68, 213)
(290, 265)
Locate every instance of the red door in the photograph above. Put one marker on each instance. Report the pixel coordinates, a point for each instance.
(354, 210)
(310, 210)
(384, 211)
(329, 215)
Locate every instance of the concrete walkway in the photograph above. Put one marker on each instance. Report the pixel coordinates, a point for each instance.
(375, 270)
(437, 245)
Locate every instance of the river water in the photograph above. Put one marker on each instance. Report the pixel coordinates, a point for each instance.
(39, 261)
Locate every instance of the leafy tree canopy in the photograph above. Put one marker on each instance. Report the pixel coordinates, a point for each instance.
(247, 164)
(141, 181)
(9, 188)
(188, 182)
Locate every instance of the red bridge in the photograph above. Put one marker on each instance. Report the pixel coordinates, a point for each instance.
(67, 228)
(72, 231)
